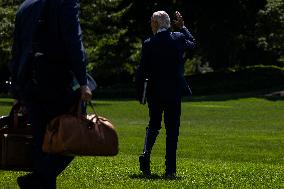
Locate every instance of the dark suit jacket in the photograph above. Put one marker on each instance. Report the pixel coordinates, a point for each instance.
(53, 25)
(162, 63)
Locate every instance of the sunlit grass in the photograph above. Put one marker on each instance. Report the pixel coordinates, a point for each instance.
(229, 143)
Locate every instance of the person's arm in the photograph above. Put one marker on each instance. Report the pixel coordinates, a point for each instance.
(72, 37)
(189, 39)
(143, 68)
(141, 73)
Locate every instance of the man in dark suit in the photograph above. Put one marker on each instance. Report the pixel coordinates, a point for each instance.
(48, 71)
(162, 64)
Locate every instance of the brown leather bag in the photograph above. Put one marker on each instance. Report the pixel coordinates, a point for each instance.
(73, 134)
(16, 140)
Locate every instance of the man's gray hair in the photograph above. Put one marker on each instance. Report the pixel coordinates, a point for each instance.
(162, 18)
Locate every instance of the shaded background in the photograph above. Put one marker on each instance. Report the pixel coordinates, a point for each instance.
(240, 42)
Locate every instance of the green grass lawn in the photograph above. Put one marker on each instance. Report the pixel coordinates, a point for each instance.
(224, 143)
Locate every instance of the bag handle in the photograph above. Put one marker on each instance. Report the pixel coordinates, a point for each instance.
(76, 109)
(17, 108)
(93, 108)
(94, 111)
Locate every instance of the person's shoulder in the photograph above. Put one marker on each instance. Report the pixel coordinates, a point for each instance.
(177, 34)
(27, 5)
(146, 41)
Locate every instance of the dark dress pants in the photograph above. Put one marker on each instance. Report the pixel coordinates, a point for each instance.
(47, 166)
(172, 111)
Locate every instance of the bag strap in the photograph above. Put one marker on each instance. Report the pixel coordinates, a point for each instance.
(93, 108)
(76, 108)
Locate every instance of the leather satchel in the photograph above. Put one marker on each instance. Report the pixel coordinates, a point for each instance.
(74, 134)
(16, 141)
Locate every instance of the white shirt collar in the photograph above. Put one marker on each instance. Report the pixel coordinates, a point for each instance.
(161, 30)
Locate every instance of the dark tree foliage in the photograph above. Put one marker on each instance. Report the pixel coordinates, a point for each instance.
(7, 15)
(270, 32)
(229, 34)
(107, 41)
(225, 30)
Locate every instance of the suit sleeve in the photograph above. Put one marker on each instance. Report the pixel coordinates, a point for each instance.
(189, 39)
(141, 73)
(141, 67)
(72, 37)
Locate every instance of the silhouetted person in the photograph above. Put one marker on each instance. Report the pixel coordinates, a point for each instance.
(162, 63)
(48, 70)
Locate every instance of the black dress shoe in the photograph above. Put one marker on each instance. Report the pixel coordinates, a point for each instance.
(144, 161)
(28, 181)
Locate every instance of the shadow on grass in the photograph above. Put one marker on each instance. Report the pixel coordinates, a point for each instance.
(269, 94)
(275, 98)
(152, 177)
